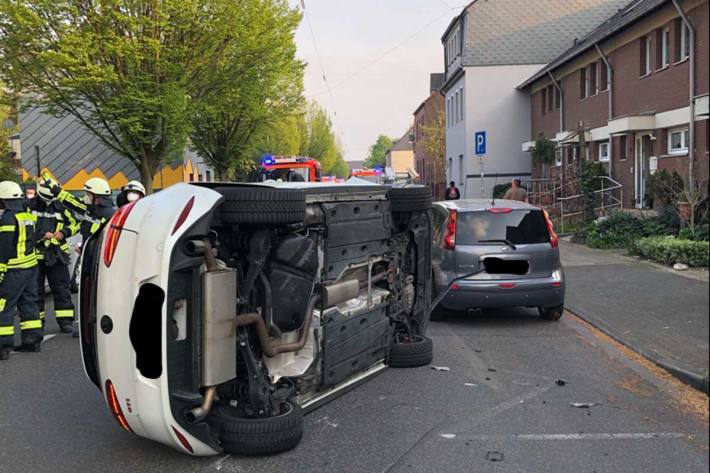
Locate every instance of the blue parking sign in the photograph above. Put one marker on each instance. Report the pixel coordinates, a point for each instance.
(480, 142)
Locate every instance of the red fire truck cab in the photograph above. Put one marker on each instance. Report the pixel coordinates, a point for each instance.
(289, 169)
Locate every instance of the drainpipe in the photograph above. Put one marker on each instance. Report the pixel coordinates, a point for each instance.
(691, 90)
(562, 101)
(610, 86)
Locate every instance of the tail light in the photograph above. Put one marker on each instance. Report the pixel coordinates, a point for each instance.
(506, 285)
(500, 210)
(115, 227)
(450, 235)
(115, 407)
(554, 241)
(183, 215)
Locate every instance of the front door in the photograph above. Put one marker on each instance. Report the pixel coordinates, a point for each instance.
(641, 152)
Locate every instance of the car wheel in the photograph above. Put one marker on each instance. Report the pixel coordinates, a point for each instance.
(410, 199)
(259, 436)
(551, 313)
(262, 206)
(417, 352)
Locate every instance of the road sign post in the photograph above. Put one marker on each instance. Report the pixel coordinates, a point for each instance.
(479, 146)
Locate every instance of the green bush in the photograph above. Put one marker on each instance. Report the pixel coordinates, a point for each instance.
(671, 250)
(621, 229)
(499, 190)
(700, 233)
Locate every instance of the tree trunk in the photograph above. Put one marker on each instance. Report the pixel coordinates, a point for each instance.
(146, 175)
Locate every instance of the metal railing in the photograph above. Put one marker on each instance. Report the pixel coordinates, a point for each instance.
(609, 197)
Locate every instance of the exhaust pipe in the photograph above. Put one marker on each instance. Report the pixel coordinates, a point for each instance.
(198, 414)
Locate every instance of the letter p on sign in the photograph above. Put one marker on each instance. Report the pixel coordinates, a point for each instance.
(480, 142)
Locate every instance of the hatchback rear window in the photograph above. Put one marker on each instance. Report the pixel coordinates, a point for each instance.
(520, 227)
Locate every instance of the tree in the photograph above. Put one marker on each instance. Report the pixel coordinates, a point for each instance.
(7, 129)
(434, 144)
(378, 151)
(258, 81)
(125, 69)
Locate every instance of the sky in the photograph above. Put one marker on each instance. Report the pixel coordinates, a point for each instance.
(376, 56)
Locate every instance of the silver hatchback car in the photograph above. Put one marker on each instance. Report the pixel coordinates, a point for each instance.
(499, 253)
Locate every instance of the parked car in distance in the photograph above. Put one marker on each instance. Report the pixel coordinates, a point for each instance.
(500, 253)
(213, 315)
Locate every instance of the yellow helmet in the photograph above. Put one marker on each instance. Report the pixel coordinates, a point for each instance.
(10, 190)
(97, 186)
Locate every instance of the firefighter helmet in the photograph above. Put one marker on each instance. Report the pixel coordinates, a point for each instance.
(10, 190)
(97, 186)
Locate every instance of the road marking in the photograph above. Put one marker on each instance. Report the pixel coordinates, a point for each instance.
(597, 436)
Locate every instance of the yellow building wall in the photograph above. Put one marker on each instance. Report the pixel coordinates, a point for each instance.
(401, 161)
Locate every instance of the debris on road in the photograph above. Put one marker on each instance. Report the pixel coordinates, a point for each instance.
(519, 383)
(447, 436)
(584, 405)
(680, 267)
(477, 350)
(494, 456)
(440, 368)
(560, 382)
(492, 370)
(470, 384)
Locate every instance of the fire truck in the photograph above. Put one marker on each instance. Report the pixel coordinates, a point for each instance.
(289, 169)
(375, 175)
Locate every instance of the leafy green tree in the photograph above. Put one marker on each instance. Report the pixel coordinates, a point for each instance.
(258, 81)
(125, 69)
(7, 129)
(378, 151)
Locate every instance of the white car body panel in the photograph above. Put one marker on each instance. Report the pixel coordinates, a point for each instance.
(144, 250)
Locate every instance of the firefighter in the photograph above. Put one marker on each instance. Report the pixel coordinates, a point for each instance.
(93, 210)
(55, 223)
(18, 272)
(131, 192)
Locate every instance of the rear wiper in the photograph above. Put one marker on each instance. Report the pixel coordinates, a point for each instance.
(502, 240)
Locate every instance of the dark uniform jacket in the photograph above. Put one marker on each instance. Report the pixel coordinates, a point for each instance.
(51, 218)
(91, 217)
(17, 237)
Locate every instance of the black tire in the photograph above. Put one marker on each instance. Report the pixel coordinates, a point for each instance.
(410, 199)
(245, 436)
(262, 206)
(419, 352)
(551, 313)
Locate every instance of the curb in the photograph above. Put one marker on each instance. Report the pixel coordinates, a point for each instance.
(694, 380)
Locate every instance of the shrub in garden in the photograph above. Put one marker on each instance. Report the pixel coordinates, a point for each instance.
(671, 250)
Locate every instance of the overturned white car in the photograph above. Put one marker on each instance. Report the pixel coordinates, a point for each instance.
(211, 316)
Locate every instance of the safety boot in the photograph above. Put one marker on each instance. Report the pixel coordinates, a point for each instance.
(65, 326)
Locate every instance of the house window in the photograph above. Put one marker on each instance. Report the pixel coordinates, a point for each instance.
(208, 176)
(192, 177)
(461, 103)
(558, 98)
(543, 100)
(456, 107)
(678, 141)
(645, 55)
(593, 79)
(575, 153)
(549, 98)
(622, 147)
(558, 156)
(603, 77)
(583, 83)
(665, 47)
(683, 51)
(603, 151)
(199, 178)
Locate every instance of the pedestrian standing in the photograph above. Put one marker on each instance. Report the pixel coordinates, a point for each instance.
(55, 223)
(516, 192)
(452, 192)
(131, 192)
(18, 272)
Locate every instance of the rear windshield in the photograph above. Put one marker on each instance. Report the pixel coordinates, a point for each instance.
(519, 227)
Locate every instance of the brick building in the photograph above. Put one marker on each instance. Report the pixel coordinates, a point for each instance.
(431, 169)
(626, 86)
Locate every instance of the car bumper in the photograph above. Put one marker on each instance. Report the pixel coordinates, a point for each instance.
(545, 292)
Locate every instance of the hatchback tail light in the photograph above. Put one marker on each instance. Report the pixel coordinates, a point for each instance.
(115, 407)
(183, 215)
(115, 227)
(450, 235)
(554, 241)
(500, 210)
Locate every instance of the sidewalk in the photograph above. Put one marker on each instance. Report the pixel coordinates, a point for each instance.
(658, 312)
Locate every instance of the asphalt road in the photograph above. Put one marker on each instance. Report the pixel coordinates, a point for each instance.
(499, 401)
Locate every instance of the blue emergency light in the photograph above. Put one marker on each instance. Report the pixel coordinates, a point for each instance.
(268, 160)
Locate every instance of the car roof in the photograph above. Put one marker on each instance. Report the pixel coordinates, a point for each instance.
(472, 205)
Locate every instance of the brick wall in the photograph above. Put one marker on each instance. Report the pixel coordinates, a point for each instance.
(423, 117)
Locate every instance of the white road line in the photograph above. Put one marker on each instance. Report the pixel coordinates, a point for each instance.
(589, 436)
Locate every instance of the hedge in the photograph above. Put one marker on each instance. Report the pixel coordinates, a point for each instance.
(671, 250)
